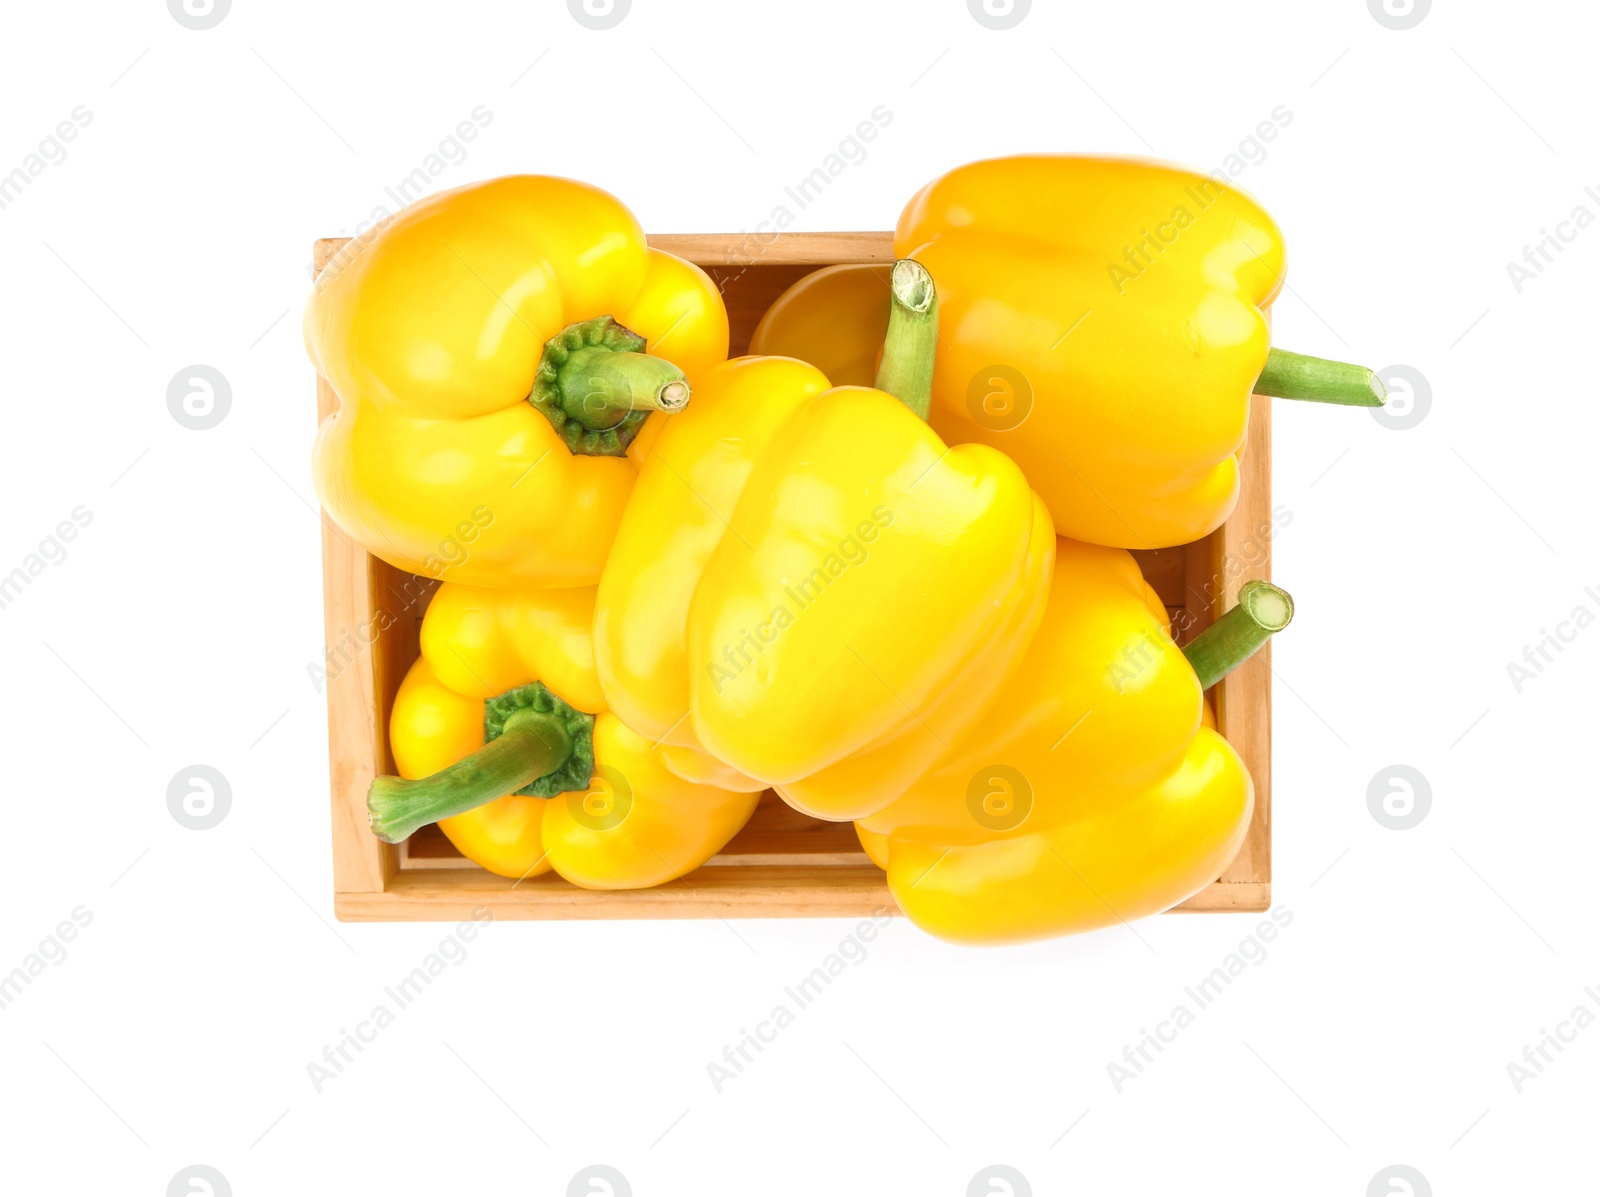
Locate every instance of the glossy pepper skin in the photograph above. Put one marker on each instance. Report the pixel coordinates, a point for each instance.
(432, 334)
(810, 587)
(1103, 324)
(689, 486)
(1095, 791)
(872, 595)
(636, 824)
(1131, 297)
(835, 318)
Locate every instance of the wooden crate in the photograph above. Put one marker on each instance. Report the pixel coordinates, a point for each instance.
(782, 864)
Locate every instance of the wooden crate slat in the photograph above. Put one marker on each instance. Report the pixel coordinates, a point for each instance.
(746, 891)
(1241, 550)
(776, 249)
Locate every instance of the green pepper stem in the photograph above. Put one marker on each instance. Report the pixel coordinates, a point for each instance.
(533, 744)
(600, 387)
(597, 386)
(1318, 380)
(1232, 640)
(913, 337)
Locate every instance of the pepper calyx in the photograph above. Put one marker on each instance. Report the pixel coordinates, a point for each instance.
(535, 744)
(578, 769)
(597, 386)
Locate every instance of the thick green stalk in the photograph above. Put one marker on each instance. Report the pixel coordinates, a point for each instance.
(1318, 380)
(1227, 644)
(599, 386)
(533, 744)
(906, 371)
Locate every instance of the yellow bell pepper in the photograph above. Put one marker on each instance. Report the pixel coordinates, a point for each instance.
(495, 349)
(1104, 325)
(521, 763)
(834, 318)
(810, 587)
(1096, 790)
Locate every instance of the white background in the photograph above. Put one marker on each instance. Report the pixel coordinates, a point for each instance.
(178, 629)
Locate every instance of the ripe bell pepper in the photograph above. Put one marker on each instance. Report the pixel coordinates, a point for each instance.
(1104, 325)
(521, 763)
(495, 349)
(810, 587)
(1096, 790)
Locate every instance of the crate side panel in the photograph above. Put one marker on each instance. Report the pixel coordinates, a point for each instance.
(776, 249)
(1244, 697)
(357, 744)
(779, 834)
(360, 862)
(747, 293)
(753, 891)
(1165, 569)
